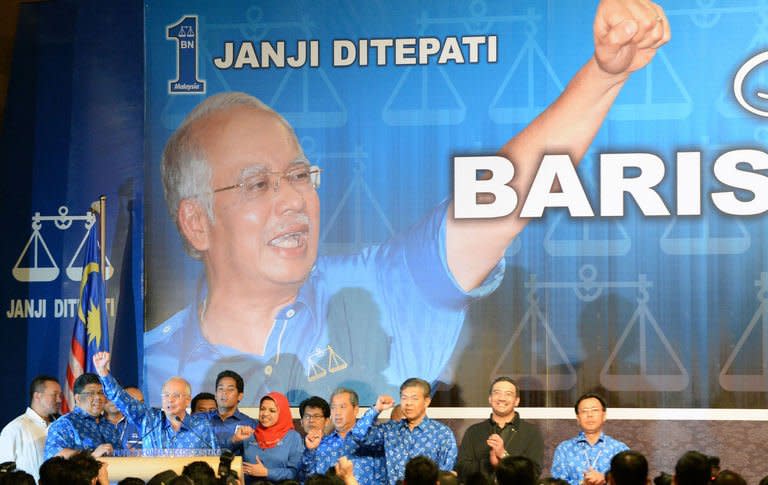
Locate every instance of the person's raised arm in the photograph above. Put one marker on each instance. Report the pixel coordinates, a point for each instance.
(627, 34)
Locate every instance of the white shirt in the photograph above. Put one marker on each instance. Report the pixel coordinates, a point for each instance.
(23, 441)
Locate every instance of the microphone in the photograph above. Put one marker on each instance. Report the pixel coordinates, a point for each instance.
(199, 436)
(150, 430)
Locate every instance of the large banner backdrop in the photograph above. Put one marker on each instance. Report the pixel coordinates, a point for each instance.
(659, 302)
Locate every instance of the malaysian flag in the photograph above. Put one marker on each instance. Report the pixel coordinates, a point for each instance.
(91, 332)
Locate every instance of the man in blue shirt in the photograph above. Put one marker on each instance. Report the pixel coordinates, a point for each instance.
(85, 428)
(169, 427)
(130, 438)
(323, 452)
(414, 435)
(242, 194)
(586, 458)
(226, 419)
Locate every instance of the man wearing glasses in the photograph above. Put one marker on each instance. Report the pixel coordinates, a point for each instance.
(586, 458)
(169, 427)
(23, 440)
(86, 427)
(242, 195)
(315, 413)
(504, 434)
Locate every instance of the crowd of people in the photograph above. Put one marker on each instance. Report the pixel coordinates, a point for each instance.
(335, 443)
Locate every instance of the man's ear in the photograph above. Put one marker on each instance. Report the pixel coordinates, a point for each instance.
(194, 224)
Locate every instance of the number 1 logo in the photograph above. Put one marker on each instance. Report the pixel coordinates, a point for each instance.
(184, 32)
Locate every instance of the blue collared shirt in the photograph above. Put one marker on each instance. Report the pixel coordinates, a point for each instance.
(367, 460)
(129, 435)
(358, 321)
(575, 456)
(430, 438)
(79, 430)
(282, 460)
(155, 428)
(225, 428)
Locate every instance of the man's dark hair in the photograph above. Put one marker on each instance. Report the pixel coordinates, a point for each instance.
(86, 464)
(729, 477)
(162, 478)
(38, 385)
(181, 480)
(629, 467)
(504, 379)
(201, 396)
(17, 477)
(479, 478)
(420, 470)
(663, 478)
(447, 478)
(200, 472)
(234, 375)
(131, 481)
(417, 382)
(83, 381)
(54, 471)
(315, 402)
(516, 470)
(552, 481)
(692, 469)
(323, 480)
(590, 395)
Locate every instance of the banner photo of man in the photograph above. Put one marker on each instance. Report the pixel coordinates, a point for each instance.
(355, 194)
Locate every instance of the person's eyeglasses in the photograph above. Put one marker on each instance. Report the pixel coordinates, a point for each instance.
(313, 417)
(92, 394)
(172, 395)
(590, 411)
(256, 181)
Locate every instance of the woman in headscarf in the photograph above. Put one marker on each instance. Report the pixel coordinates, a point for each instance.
(273, 450)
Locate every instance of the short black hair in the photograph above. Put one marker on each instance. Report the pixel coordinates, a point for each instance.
(234, 375)
(417, 382)
(420, 470)
(590, 395)
(516, 470)
(692, 469)
(729, 477)
(201, 396)
(84, 462)
(38, 384)
(629, 467)
(131, 481)
(17, 477)
(315, 402)
(162, 478)
(504, 379)
(84, 380)
(200, 472)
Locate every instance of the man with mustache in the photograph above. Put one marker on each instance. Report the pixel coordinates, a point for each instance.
(243, 196)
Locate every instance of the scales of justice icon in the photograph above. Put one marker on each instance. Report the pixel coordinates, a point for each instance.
(40, 265)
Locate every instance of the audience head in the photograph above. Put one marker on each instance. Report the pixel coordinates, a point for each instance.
(162, 478)
(200, 473)
(516, 470)
(86, 464)
(728, 477)
(203, 402)
(45, 395)
(628, 468)
(552, 481)
(89, 394)
(131, 481)
(447, 478)
(663, 479)
(692, 469)
(315, 414)
(17, 477)
(229, 390)
(415, 397)
(479, 478)
(344, 408)
(714, 466)
(420, 470)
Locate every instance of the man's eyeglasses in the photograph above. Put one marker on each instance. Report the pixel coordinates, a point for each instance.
(92, 394)
(313, 417)
(256, 181)
(172, 395)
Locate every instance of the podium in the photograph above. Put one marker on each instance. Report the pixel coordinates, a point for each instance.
(146, 467)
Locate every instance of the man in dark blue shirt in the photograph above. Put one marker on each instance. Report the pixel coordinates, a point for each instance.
(225, 420)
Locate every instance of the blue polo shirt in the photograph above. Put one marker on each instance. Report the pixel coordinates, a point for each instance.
(79, 430)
